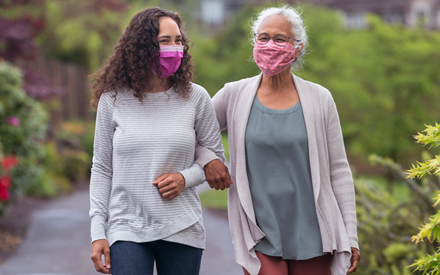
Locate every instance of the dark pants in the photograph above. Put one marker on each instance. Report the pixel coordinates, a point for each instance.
(129, 258)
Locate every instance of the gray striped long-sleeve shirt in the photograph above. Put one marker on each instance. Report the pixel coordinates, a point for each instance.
(137, 142)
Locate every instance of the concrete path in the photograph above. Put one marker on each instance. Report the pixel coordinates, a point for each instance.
(58, 242)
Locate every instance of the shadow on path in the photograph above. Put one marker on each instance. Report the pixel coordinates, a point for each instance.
(58, 242)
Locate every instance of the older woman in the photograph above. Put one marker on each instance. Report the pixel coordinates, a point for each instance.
(292, 207)
(143, 205)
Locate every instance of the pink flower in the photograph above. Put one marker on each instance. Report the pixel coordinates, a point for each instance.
(14, 121)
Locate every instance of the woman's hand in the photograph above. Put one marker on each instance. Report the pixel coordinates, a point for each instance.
(170, 185)
(355, 257)
(100, 247)
(217, 175)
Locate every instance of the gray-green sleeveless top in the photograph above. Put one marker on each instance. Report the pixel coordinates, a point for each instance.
(278, 169)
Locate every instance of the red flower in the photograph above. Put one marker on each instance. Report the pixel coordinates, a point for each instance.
(4, 194)
(5, 181)
(9, 162)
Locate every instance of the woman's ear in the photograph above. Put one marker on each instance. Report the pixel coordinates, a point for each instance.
(298, 49)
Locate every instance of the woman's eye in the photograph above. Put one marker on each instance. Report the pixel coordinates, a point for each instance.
(262, 39)
(163, 41)
(179, 41)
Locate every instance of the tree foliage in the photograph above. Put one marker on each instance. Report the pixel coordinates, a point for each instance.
(430, 136)
(384, 79)
(82, 32)
(385, 226)
(227, 56)
(21, 22)
(429, 264)
(23, 124)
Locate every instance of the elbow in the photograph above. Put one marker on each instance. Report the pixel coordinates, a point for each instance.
(101, 170)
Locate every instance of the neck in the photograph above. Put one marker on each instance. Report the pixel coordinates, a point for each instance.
(159, 84)
(277, 83)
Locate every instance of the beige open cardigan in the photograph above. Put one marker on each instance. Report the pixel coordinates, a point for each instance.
(331, 176)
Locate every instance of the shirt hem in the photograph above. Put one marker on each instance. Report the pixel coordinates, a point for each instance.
(296, 258)
(140, 235)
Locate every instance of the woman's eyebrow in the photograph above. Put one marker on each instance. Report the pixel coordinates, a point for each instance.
(168, 36)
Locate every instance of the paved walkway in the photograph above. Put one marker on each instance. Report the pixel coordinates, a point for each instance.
(58, 242)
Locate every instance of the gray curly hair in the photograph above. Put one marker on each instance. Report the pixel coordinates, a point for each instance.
(298, 29)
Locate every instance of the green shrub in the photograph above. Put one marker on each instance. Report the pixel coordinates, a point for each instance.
(23, 124)
(88, 138)
(75, 164)
(75, 146)
(55, 181)
(429, 264)
(385, 226)
(50, 185)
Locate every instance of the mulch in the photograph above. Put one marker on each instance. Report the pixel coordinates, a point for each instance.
(14, 224)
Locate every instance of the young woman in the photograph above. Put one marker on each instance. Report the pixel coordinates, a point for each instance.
(143, 203)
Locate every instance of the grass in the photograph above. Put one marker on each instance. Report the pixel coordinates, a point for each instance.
(215, 199)
(399, 190)
(219, 199)
(225, 144)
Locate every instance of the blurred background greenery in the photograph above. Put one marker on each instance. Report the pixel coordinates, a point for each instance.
(383, 76)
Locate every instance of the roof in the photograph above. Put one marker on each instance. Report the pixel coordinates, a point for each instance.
(369, 4)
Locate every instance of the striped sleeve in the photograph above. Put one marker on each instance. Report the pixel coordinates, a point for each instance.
(206, 128)
(102, 170)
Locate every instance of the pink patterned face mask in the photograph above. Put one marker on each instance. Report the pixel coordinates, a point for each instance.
(169, 60)
(273, 59)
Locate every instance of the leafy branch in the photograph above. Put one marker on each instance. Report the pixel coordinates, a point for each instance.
(430, 230)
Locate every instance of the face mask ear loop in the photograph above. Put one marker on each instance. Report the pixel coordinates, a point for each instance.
(297, 47)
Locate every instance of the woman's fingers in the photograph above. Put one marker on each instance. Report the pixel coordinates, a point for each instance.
(107, 258)
(167, 185)
(164, 182)
(217, 175)
(171, 195)
(355, 257)
(161, 178)
(100, 247)
(168, 194)
(170, 185)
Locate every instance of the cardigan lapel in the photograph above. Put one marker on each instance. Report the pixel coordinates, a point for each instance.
(242, 116)
(246, 99)
(307, 104)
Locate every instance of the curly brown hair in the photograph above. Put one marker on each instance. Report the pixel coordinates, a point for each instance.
(129, 66)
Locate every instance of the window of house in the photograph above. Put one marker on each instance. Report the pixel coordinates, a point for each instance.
(421, 18)
(396, 18)
(212, 12)
(356, 20)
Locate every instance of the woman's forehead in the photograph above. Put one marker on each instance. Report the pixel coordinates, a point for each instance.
(167, 25)
(276, 24)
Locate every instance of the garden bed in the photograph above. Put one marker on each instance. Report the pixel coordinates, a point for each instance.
(14, 225)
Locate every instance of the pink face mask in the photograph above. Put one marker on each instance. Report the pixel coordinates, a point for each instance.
(273, 59)
(169, 60)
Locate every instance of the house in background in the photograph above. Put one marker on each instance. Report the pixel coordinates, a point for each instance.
(412, 13)
(216, 12)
